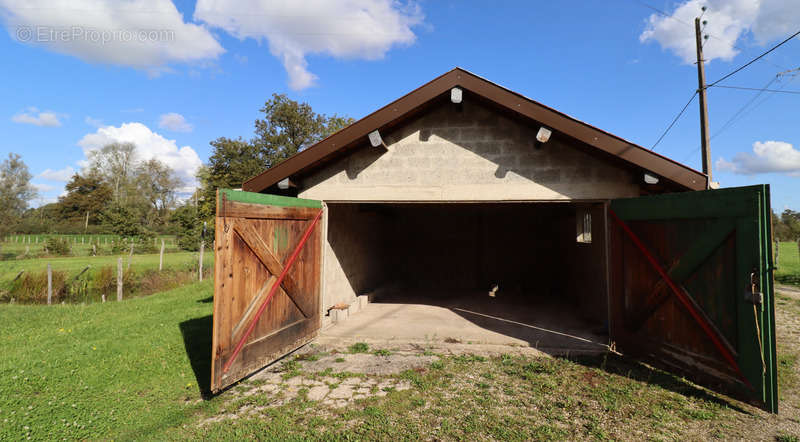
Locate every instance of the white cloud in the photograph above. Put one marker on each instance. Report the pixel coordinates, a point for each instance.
(364, 29)
(729, 21)
(174, 121)
(41, 187)
(64, 174)
(144, 34)
(33, 116)
(95, 122)
(767, 157)
(183, 160)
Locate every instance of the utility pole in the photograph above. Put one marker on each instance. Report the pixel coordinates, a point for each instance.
(701, 90)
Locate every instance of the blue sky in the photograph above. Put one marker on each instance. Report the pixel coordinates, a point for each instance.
(616, 64)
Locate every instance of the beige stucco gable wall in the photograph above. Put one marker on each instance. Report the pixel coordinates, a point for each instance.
(475, 154)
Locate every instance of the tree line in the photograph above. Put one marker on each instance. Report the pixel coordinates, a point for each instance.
(121, 194)
(786, 227)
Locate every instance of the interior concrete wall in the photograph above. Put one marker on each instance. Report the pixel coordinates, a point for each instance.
(468, 153)
(354, 248)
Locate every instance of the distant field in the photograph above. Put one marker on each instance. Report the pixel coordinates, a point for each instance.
(85, 279)
(73, 265)
(13, 246)
(788, 264)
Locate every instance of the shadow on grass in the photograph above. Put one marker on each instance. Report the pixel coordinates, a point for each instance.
(197, 341)
(638, 371)
(206, 300)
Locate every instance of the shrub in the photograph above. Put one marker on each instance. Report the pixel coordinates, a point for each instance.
(32, 288)
(58, 246)
(90, 286)
(105, 281)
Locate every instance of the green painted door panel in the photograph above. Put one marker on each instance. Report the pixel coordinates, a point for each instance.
(709, 245)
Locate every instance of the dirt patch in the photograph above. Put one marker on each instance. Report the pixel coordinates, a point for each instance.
(438, 347)
(369, 364)
(788, 290)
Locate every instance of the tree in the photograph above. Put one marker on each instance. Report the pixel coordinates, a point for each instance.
(189, 226)
(124, 221)
(231, 163)
(791, 221)
(16, 190)
(87, 193)
(286, 128)
(115, 162)
(289, 127)
(157, 184)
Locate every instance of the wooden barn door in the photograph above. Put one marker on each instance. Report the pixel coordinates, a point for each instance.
(267, 261)
(691, 287)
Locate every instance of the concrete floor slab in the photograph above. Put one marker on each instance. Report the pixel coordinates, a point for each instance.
(550, 328)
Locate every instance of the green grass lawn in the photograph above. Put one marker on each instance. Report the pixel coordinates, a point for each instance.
(138, 369)
(74, 264)
(116, 370)
(788, 264)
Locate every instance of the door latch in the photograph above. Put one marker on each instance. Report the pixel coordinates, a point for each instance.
(753, 294)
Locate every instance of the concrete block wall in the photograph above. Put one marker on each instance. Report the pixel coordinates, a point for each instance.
(475, 154)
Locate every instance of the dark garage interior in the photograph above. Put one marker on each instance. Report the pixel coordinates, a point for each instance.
(540, 261)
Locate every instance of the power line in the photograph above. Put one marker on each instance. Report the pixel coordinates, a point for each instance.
(741, 109)
(674, 120)
(763, 89)
(755, 59)
(744, 110)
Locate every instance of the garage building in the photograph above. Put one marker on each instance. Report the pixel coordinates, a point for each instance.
(465, 195)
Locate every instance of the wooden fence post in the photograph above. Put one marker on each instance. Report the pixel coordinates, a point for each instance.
(200, 261)
(119, 279)
(161, 257)
(130, 257)
(49, 284)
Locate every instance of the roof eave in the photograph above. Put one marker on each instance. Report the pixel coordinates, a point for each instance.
(660, 165)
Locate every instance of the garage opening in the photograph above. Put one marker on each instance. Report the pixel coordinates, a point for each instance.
(497, 273)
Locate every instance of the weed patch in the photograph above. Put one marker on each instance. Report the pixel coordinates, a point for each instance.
(359, 347)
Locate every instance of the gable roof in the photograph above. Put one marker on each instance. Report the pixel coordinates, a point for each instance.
(356, 134)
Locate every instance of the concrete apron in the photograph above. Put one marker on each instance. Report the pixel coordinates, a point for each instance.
(502, 329)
